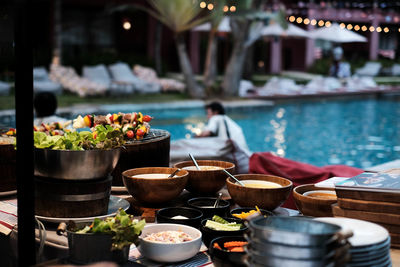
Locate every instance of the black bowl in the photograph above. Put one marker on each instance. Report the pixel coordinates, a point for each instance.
(247, 209)
(210, 234)
(222, 258)
(194, 216)
(206, 206)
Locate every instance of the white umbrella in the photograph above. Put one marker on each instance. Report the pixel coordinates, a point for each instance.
(222, 27)
(277, 30)
(337, 34)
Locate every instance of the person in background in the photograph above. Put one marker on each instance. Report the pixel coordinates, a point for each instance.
(45, 104)
(339, 69)
(222, 126)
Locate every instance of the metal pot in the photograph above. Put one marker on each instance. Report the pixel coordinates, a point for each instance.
(75, 165)
(299, 253)
(295, 231)
(88, 248)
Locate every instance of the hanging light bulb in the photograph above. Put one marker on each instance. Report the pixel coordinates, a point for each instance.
(328, 24)
(356, 28)
(203, 4)
(210, 6)
(292, 18)
(232, 9)
(386, 29)
(342, 25)
(313, 22)
(226, 9)
(372, 28)
(299, 20)
(321, 23)
(364, 28)
(306, 21)
(349, 27)
(378, 29)
(126, 25)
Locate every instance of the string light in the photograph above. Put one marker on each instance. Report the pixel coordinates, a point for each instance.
(342, 25)
(399, 29)
(210, 6)
(126, 25)
(203, 4)
(232, 9)
(226, 9)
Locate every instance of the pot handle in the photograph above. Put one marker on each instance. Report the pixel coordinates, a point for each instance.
(343, 235)
(61, 229)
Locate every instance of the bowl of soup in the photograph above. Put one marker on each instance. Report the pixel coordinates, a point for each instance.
(209, 179)
(314, 201)
(264, 191)
(151, 185)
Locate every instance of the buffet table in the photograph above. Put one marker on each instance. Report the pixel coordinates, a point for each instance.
(56, 247)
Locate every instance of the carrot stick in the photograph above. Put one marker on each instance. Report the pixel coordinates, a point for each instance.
(235, 244)
(236, 249)
(216, 245)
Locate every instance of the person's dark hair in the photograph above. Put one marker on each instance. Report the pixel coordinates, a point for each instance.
(45, 104)
(216, 107)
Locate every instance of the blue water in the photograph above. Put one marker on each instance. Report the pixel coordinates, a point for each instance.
(356, 132)
(359, 133)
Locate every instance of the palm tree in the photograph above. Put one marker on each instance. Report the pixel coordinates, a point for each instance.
(210, 65)
(246, 29)
(180, 16)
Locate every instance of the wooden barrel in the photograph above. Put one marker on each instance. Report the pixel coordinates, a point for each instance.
(8, 160)
(71, 198)
(151, 151)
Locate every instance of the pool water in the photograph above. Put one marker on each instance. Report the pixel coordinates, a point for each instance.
(356, 132)
(359, 133)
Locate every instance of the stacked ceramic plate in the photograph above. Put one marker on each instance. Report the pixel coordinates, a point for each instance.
(296, 241)
(370, 245)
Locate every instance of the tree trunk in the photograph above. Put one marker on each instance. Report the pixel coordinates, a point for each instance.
(210, 66)
(193, 88)
(157, 47)
(57, 45)
(234, 69)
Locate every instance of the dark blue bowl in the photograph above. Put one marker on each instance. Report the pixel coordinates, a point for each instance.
(222, 258)
(206, 206)
(193, 216)
(210, 234)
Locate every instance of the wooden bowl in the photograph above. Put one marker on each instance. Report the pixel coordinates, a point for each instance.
(154, 190)
(264, 198)
(206, 182)
(312, 206)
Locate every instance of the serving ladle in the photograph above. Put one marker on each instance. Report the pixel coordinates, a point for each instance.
(233, 177)
(194, 161)
(173, 174)
(218, 199)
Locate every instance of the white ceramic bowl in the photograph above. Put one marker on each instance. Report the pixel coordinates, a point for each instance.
(164, 252)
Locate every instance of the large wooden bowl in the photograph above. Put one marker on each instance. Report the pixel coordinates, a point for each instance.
(312, 206)
(206, 182)
(154, 191)
(264, 198)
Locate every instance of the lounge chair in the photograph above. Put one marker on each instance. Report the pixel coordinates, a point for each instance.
(100, 75)
(4, 88)
(149, 75)
(246, 88)
(322, 85)
(369, 69)
(395, 70)
(42, 82)
(121, 73)
(72, 82)
(279, 86)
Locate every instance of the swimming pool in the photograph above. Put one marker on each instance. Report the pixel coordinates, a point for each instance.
(355, 132)
(360, 133)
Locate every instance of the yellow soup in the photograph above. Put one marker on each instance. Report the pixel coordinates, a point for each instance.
(151, 175)
(202, 168)
(260, 184)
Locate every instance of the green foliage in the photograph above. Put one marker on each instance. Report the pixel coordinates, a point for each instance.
(320, 66)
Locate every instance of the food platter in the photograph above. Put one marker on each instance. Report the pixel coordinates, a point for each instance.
(113, 206)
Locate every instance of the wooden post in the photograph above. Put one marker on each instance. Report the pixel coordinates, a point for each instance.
(24, 124)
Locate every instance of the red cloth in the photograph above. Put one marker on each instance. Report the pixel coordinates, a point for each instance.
(299, 173)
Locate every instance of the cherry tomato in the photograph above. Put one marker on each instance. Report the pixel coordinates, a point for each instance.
(140, 132)
(147, 118)
(130, 134)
